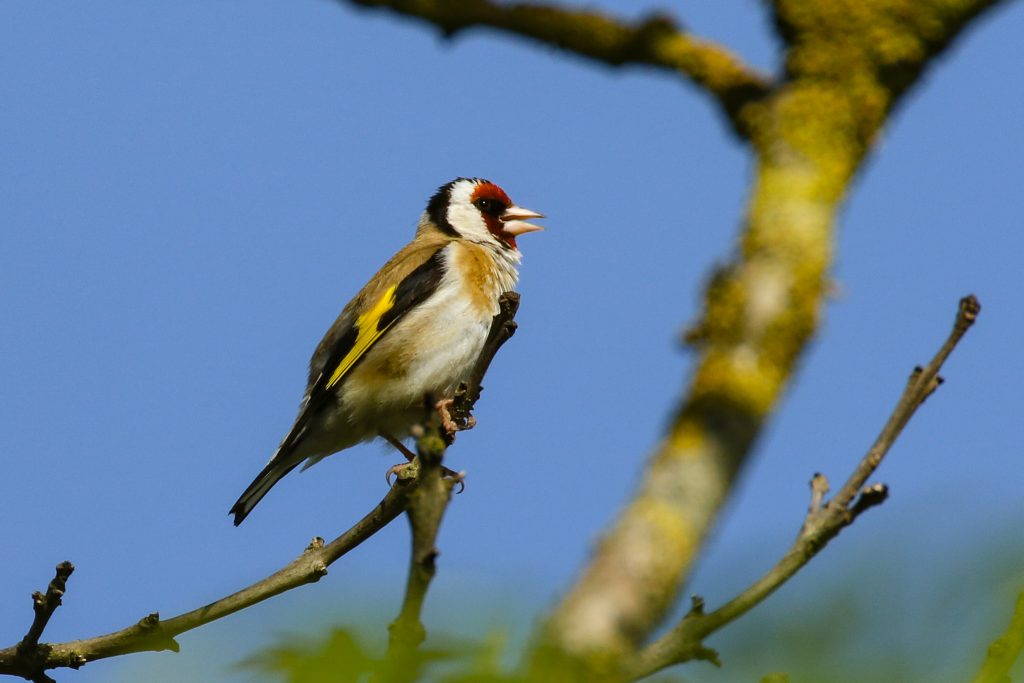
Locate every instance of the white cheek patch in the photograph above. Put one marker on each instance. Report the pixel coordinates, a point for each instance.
(465, 217)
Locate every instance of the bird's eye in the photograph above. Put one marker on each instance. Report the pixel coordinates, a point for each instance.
(491, 207)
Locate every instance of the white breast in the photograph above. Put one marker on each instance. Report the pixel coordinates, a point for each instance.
(434, 347)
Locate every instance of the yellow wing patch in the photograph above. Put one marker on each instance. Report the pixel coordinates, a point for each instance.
(367, 335)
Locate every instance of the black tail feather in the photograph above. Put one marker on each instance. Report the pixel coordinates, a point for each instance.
(259, 487)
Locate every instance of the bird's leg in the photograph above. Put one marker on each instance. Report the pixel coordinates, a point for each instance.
(458, 477)
(399, 446)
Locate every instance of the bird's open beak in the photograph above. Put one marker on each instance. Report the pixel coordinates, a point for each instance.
(514, 220)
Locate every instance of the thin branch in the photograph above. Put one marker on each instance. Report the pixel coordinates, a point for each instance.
(30, 659)
(823, 522)
(1004, 651)
(428, 504)
(920, 385)
(153, 634)
(655, 42)
(426, 509)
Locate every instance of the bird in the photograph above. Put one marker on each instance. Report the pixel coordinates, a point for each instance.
(415, 329)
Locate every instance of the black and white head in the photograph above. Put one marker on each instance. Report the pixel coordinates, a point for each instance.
(480, 211)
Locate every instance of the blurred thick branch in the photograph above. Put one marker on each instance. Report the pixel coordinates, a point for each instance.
(31, 659)
(823, 522)
(656, 41)
(761, 308)
(846, 66)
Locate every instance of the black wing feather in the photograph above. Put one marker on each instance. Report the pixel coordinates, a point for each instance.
(414, 289)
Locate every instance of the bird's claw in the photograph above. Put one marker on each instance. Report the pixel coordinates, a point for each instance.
(456, 477)
(398, 470)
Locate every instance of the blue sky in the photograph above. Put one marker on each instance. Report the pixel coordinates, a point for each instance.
(190, 191)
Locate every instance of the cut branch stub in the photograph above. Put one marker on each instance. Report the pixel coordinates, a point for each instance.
(870, 496)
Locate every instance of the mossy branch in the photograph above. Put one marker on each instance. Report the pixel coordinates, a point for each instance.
(761, 308)
(656, 42)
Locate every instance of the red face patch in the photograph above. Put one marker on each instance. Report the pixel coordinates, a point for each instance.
(492, 201)
(487, 190)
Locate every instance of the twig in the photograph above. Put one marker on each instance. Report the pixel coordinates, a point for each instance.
(428, 504)
(502, 329)
(1004, 651)
(920, 385)
(823, 522)
(655, 41)
(44, 605)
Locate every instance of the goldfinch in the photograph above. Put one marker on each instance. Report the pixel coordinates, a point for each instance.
(416, 328)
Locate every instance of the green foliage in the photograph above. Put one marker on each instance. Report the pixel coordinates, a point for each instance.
(340, 657)
(344, 656)
(835, 637)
